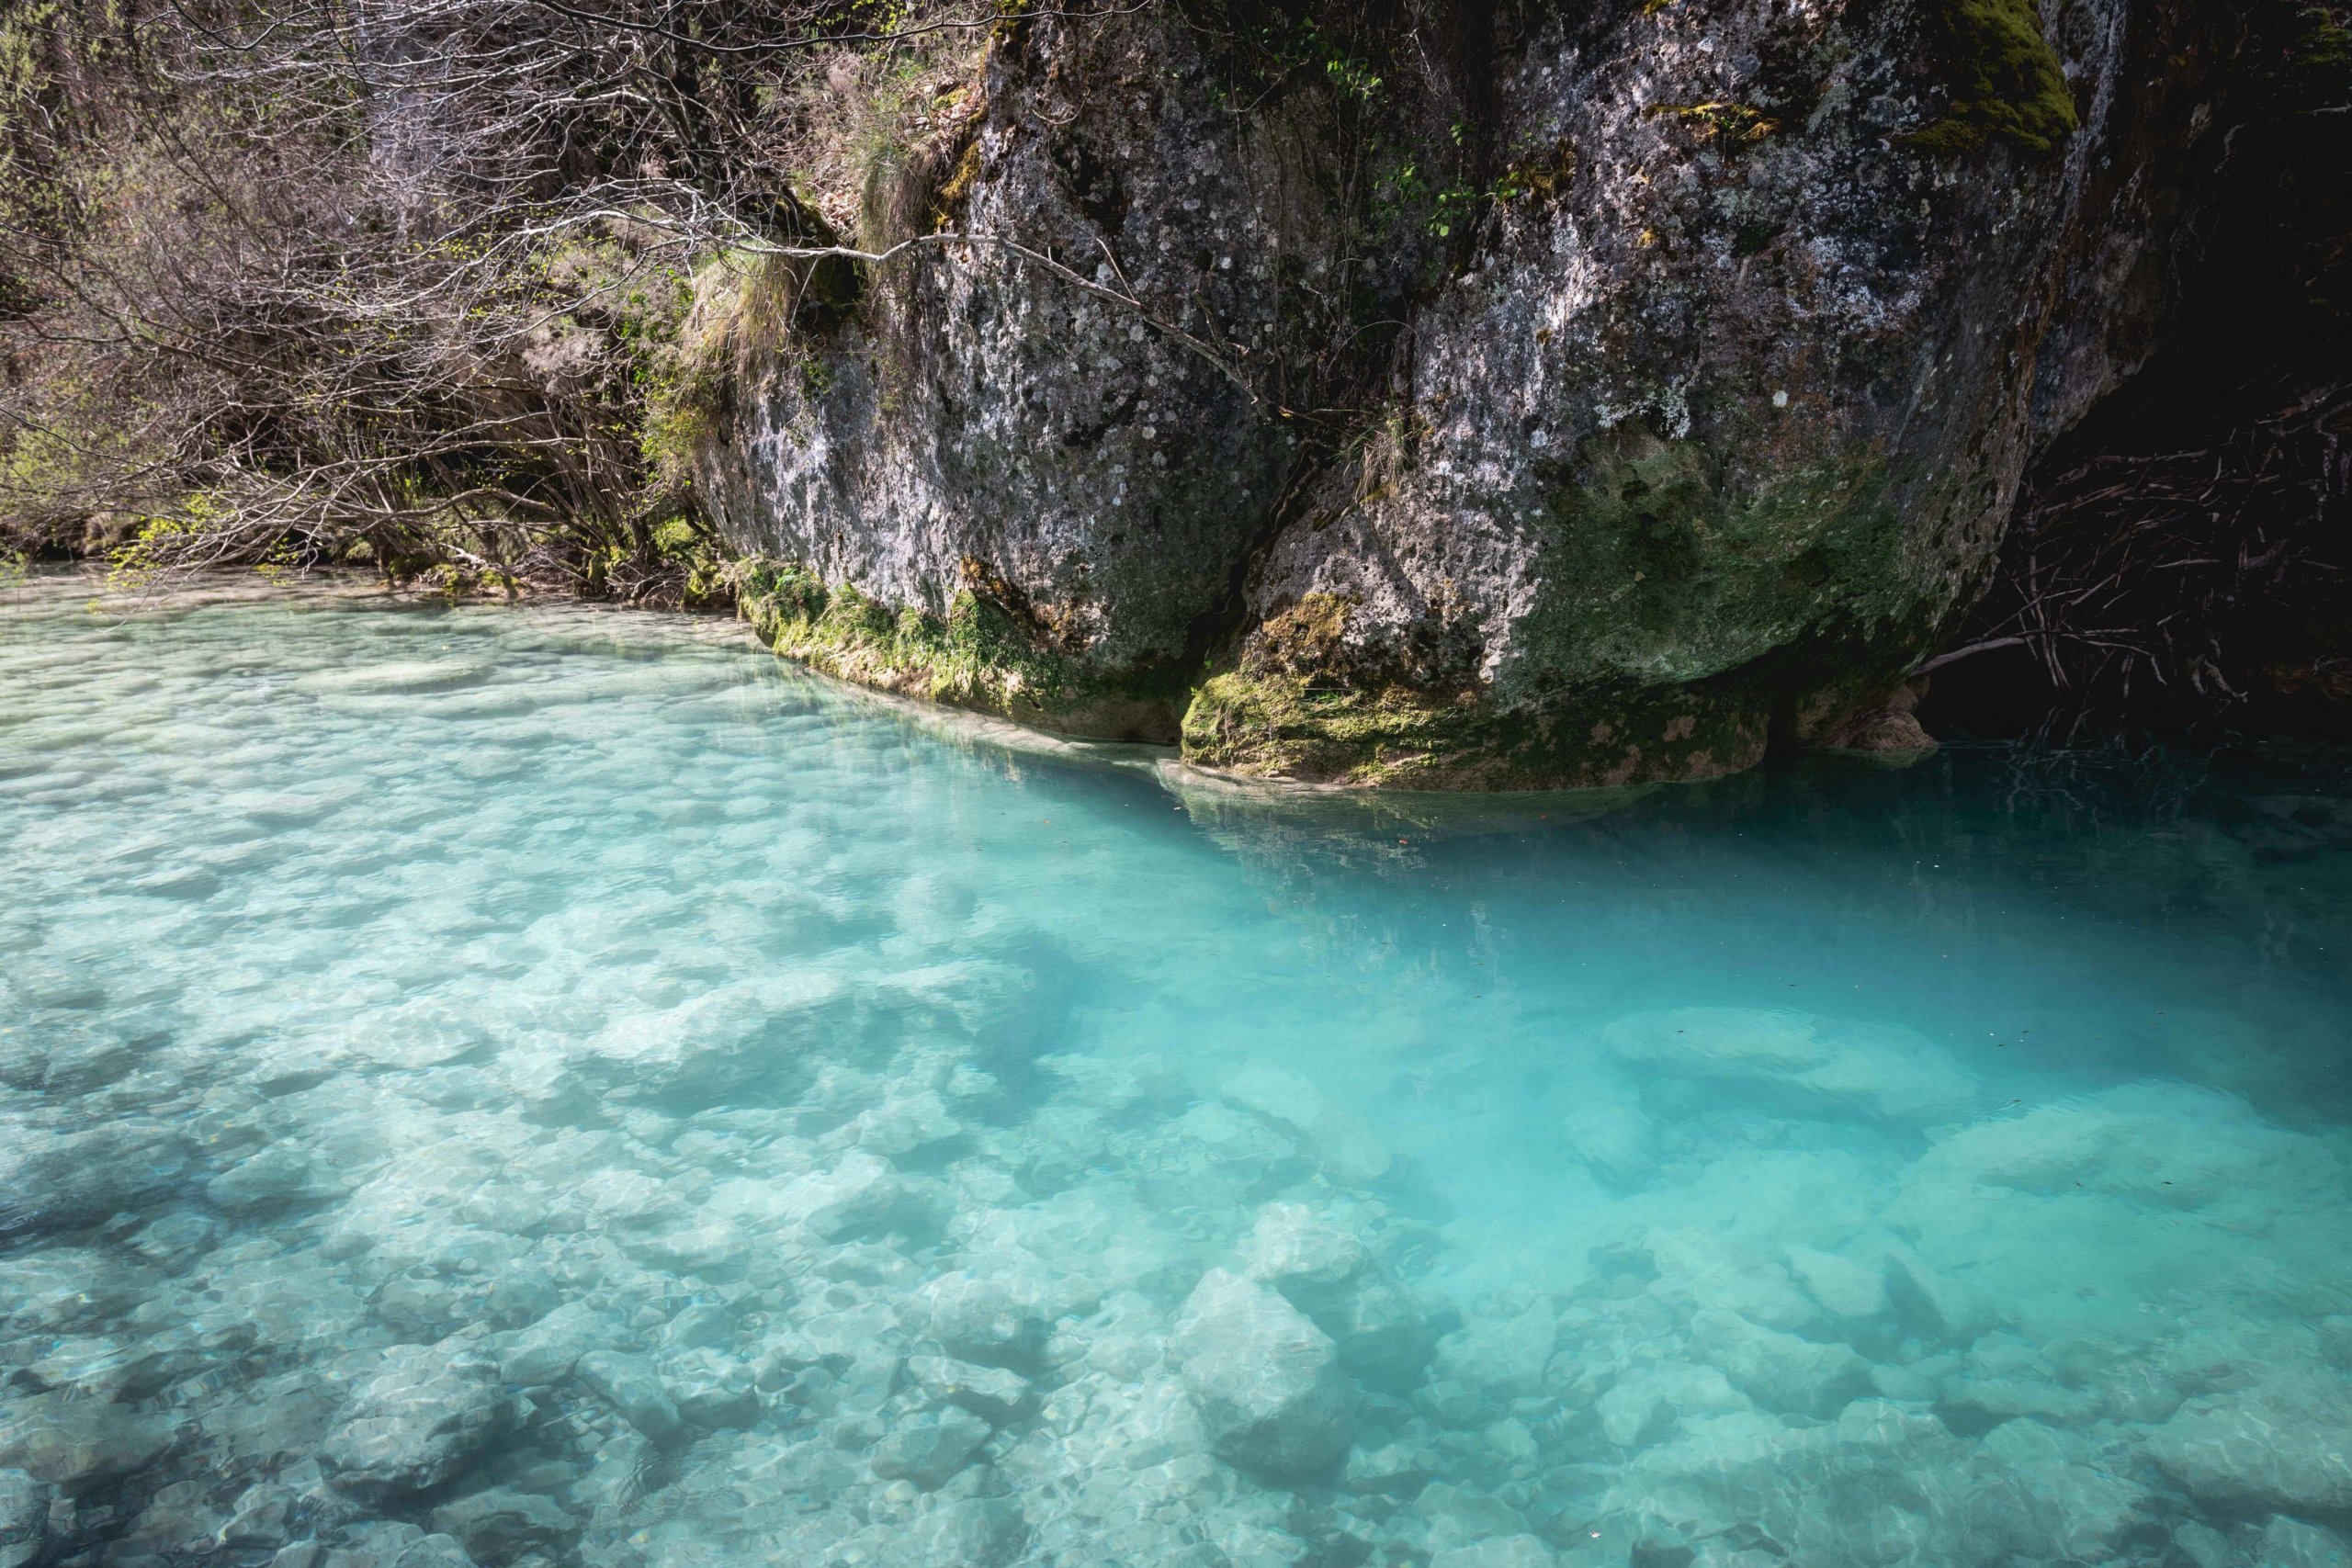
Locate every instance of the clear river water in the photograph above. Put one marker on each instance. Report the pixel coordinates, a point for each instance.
(548, 1085)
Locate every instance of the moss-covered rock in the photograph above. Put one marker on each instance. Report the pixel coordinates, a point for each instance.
(1281, 726)
(978, 655)
(1659, 571)
(2000, 78)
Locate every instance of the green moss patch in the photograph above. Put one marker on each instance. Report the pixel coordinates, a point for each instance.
(1285, 714)
(1660, 570)
(978, 655)
(2001, 79)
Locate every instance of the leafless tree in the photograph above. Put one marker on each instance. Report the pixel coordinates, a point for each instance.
(415, 281)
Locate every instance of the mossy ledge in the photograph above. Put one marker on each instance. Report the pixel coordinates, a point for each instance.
(1277, 724)
(978, 655)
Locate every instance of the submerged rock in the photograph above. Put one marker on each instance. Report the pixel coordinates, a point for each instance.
(1881, 1484)
(548, 1351)
(929, 1448)
(1503, 1358)
(500, 1524)
(720, 1042)
(1781, 1371)
(68, 1288)
(1328, 1273)
(2294, 1543)
(24, 1519)
(1266, 1381)
(1647, 1401)
(2279, 1446)
(276, 1177)
(855, 1198)
(64, 1181)
(997, 1394)
(77, 1444)
(971, 1532)
(634, 1390)
(1810, 1063)
(422, 1419)
(711, 1390)
(981, 1320)
(1501, 1552)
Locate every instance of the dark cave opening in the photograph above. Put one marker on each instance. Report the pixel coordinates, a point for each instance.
(2180, 561)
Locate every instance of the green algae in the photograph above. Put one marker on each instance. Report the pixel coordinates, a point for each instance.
(981, 654)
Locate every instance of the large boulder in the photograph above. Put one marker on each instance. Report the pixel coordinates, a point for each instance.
(1266, 1381)
(1520, 398)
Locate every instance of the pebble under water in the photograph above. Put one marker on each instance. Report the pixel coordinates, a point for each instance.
(547, 1085)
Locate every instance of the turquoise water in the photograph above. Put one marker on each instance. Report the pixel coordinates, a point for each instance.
(552, 1086)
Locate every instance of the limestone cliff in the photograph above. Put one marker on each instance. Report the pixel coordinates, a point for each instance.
(1470, 394)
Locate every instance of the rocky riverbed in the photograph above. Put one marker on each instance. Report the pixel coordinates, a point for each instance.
(533, 1092)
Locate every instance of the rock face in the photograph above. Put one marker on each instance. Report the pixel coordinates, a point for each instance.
(1582, 400)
